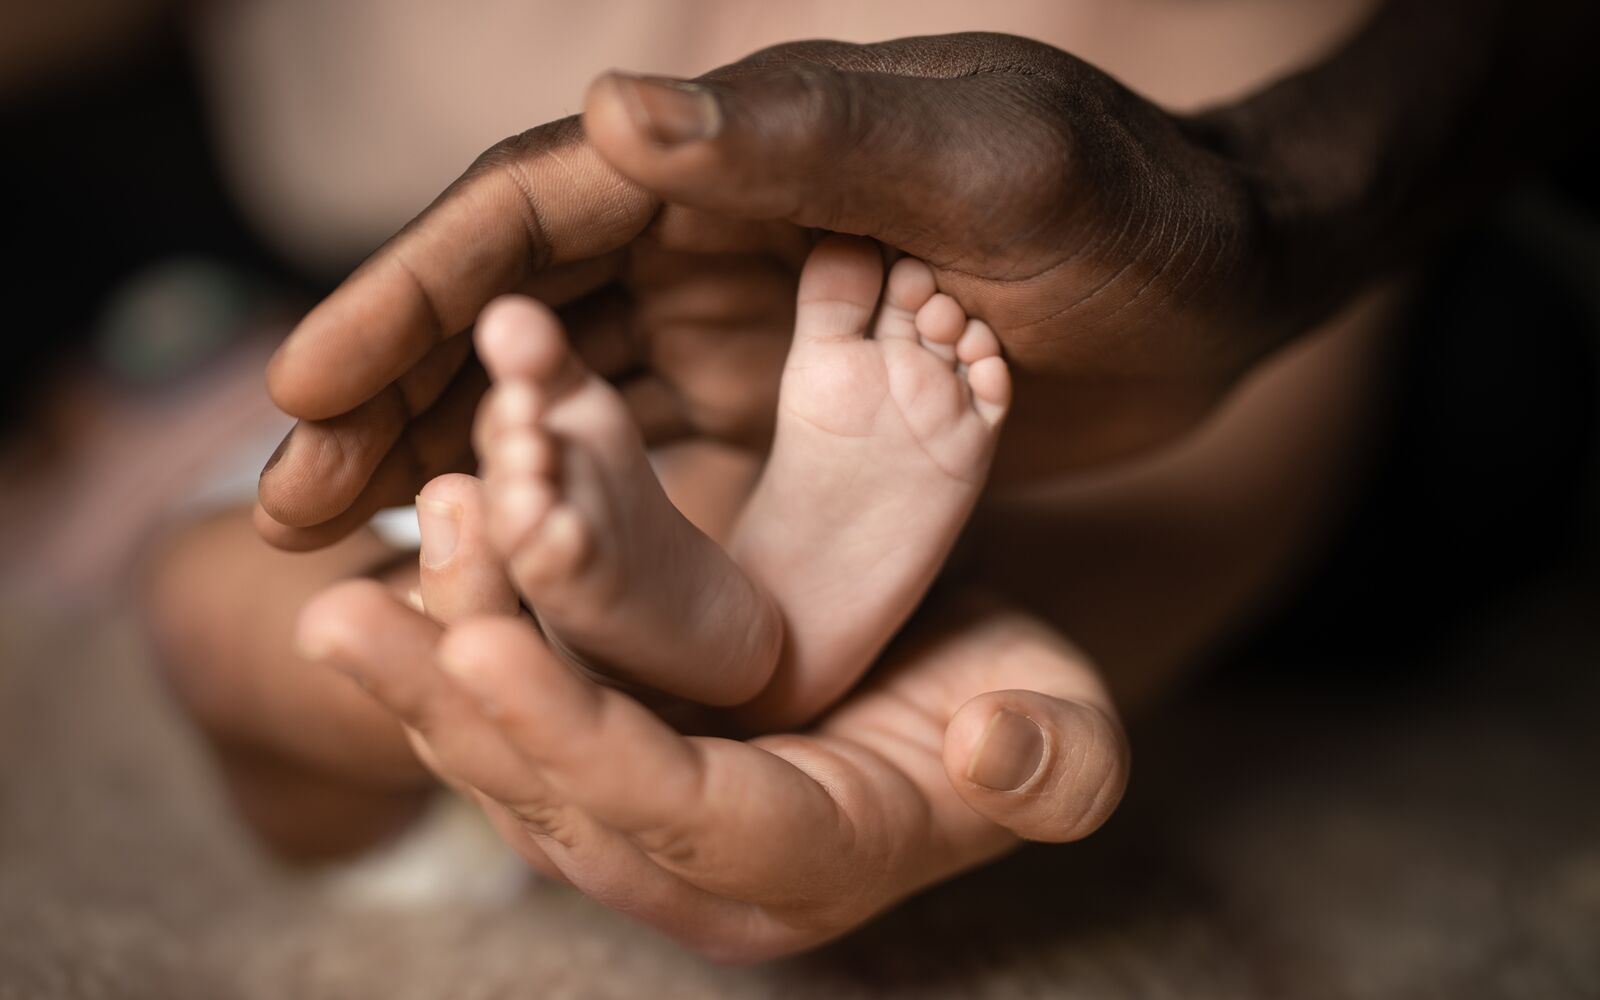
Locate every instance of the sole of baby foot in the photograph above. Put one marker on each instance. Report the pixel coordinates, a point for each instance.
(614, 571)
(890, 410)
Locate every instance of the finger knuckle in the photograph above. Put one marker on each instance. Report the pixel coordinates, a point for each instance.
(674, 845)
(555, 821)
(823, 111)
(511, 163)
(515, 150)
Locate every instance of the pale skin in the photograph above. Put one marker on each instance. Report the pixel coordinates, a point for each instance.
(888, 413)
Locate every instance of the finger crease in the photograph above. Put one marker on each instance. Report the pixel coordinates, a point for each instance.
(534, 229)
(435, 317)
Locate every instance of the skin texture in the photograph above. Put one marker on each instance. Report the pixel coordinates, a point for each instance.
(889, 411)
(616, 574)
(741, 850)
(1192, 539)
(1133, 263)
(680, 296)
(757, 863)
(544, 213)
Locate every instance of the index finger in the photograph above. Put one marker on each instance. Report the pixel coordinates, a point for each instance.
(533, 202)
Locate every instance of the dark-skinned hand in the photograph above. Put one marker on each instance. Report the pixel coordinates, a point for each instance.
(1118, 256)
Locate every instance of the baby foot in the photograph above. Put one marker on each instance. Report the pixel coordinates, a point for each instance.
(883, 444)
(615, 573)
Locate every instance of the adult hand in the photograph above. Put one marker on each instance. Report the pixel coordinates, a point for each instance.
(1121, 258)
(977, 731)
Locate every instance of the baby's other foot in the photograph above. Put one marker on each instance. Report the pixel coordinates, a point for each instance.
(888, 419)
(927, 375)
(615, 573)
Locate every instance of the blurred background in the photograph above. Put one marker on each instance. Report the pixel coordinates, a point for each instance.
(185, 180)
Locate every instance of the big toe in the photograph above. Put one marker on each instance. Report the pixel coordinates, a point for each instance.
(520, 338)
(839, 289)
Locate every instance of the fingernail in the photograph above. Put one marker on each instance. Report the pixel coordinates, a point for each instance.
(277, 454)
(1009, 752)
(440, 525)
(670, 111)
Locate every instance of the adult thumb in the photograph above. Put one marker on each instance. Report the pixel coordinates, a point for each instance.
(1045, 768)
(921, 143)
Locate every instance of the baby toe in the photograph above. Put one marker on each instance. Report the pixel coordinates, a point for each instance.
(526, 452)
(990, 379)
(910, 284)
(908, 289)
(518, 508)
(977, 342)
(840, 285)
(517, 337)
(556, 554)
(940, 322)
(507, 406)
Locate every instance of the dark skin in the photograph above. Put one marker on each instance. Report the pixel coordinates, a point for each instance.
(1134, 263)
